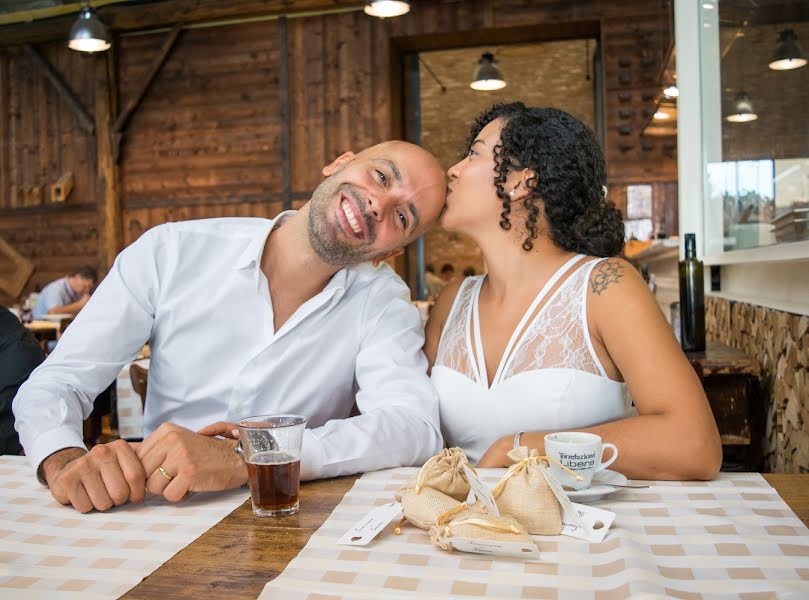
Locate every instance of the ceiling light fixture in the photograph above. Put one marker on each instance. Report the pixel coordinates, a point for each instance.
(743, 109)
(788, 54)
(386, 8)
(488, 75)
(671, 91)
(661, 115)
(88, 33)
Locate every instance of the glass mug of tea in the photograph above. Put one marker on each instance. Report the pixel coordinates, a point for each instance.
(271, 447)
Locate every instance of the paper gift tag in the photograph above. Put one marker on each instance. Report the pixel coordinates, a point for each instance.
(591, 524)
(495, 548)
(371, 524)
(481, 491)
(579, 521)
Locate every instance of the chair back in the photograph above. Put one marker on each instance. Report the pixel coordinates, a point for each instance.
(140, 378)
(63, 324)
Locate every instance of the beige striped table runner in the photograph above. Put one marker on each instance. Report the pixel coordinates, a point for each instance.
(732, 537)
(50, 551)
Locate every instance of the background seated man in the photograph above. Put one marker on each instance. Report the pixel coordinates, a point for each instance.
(296, 314)
(66, 295)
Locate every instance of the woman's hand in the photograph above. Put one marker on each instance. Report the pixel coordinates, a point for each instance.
(496, 455)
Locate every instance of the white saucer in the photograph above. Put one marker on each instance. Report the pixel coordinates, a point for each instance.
(599, 488)
(56, 317)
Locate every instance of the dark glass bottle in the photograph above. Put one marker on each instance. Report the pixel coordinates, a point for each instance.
(692, 298)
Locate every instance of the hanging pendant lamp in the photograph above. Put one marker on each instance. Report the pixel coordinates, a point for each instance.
(386, 8)
(488, 75)
(788, 54)
(742, 109)
(88, 33)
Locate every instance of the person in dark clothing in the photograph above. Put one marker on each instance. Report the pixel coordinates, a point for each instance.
(19, 355)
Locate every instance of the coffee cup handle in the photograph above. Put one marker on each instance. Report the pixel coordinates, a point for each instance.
(604, 465)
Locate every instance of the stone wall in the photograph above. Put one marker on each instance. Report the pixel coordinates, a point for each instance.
(548, 74)
(780, 342)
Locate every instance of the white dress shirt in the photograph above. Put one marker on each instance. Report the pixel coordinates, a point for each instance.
(195, 291)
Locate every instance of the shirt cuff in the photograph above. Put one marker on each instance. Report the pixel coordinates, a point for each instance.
(312, 458)
(50, 442)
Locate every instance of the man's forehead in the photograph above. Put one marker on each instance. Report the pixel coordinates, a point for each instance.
(401, 154)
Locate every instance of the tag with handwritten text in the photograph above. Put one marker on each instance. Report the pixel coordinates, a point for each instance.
(591, 523)
(526, 550)
(579, 521)
(367, 528)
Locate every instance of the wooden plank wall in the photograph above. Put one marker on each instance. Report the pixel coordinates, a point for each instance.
(41, 138)
(206, 140)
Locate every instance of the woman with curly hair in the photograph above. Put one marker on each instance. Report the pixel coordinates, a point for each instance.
(559, 330)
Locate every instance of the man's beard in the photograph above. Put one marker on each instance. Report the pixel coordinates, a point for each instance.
(325, 235)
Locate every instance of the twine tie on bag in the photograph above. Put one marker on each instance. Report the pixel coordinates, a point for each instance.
(528, 457)
(425, 469)
(498, 527)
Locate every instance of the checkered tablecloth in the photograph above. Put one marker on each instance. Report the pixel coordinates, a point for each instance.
(732, 537)
(51, 551)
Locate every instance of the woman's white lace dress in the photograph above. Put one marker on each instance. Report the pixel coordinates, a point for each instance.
(548, 379)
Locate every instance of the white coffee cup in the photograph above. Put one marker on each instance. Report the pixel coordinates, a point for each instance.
(582, 453)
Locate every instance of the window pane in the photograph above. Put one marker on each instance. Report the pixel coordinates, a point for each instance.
(756, 123)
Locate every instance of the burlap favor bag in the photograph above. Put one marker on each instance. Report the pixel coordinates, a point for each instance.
(523, 493)
(423, 508)
(444, 473)
(467, 523)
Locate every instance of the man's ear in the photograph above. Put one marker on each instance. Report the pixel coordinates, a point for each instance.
(338, 163)
(390, 254)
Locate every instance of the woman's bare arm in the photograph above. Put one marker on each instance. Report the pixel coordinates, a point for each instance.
(674, 435)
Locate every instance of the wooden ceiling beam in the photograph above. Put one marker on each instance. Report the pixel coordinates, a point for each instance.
(125, 18)
(157, 64)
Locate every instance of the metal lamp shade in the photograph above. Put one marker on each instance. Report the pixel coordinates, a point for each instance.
(386, 8)
(743, 109)
(789, 54)
(488, 75)
(88, 34)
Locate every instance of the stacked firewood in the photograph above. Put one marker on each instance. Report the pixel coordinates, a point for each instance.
(780, 342)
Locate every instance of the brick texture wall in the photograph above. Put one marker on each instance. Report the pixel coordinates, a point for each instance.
(780, 98)
(548, 74)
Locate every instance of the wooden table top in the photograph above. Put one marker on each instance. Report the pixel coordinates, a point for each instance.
(36, 326)
(721, 359)
(241, 553)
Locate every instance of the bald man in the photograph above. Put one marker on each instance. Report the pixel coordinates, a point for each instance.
(247, 316)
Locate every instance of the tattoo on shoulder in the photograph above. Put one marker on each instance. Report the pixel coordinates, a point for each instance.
(606, 273)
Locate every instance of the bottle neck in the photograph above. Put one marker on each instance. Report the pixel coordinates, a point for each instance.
(690, 247)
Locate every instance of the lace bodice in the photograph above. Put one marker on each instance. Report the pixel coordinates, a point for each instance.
(549, 378)
(555, 336)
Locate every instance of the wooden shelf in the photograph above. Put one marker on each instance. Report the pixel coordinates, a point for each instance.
(46, 208)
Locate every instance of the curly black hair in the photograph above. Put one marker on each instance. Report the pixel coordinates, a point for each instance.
(569, 181)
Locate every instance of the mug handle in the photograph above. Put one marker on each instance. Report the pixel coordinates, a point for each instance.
(604, 465)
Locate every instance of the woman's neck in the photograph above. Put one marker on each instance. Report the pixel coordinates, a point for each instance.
(512, 272)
